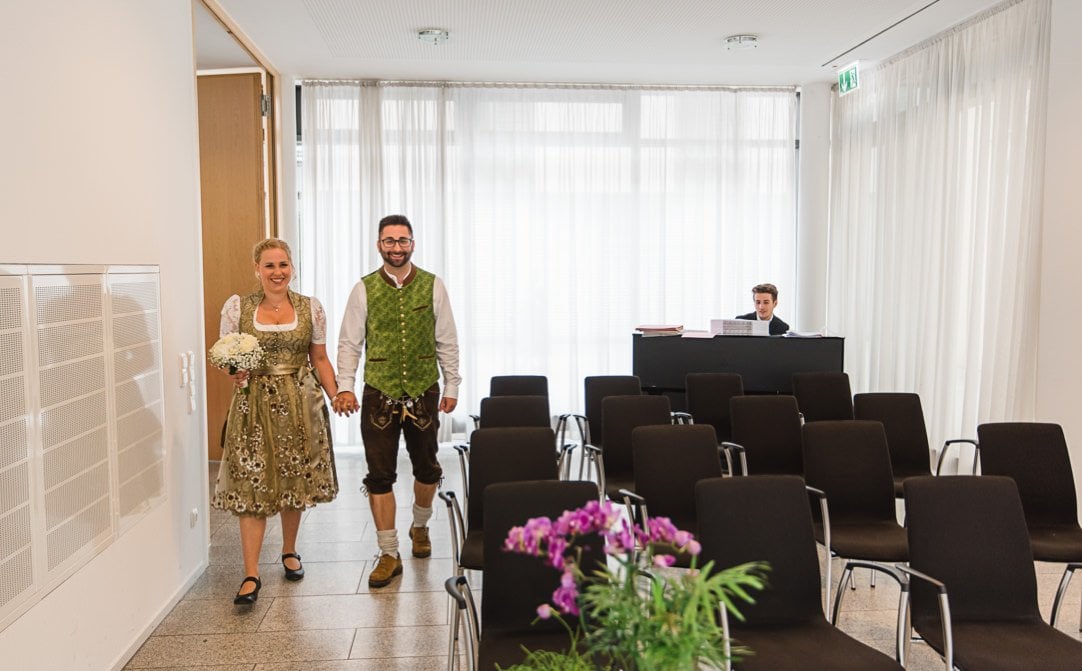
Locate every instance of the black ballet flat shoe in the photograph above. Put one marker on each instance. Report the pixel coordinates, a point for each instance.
(249, 598)
(293, 574)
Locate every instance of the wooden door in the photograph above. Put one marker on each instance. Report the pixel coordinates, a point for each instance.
(234, 206)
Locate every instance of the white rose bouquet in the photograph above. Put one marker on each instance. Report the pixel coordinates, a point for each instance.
(237, 351)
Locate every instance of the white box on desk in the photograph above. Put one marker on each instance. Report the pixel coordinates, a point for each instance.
(741, 327)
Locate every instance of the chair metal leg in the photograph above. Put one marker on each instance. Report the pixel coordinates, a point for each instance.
(847, 574)
(1061, 592)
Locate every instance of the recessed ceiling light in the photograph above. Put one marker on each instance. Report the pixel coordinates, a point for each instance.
(741, 42)
(433, 35)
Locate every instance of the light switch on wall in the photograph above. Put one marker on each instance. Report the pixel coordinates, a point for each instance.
(184, 375)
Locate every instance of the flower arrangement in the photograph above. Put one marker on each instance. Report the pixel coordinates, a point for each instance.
(237, 351)
(628, 617)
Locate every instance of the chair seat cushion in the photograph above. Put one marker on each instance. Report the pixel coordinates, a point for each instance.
(1059, 543)
(1003, 646)
(472, 555)
(874, 540)
(807, 645)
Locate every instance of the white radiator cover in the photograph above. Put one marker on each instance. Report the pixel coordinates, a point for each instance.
(81, 419)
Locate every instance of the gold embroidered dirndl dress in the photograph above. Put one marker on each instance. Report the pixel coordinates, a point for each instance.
(277, 452)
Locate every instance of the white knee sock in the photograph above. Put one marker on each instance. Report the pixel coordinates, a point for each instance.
(421, 515)
(388, 542)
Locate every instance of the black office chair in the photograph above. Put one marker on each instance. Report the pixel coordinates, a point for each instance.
(514, 585)
(973, 590)
(1035, 456)
(518, 385)
(766, 435)
(667, 462)
(848, 461)
(766, 518)
(708, 396)
(907, 438)
(620, 416)
(588, 425)
(823, 396)
(506, 454)
(505, 412)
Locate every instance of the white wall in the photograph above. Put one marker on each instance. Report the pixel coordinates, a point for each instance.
(1059, 366)
(100, 165)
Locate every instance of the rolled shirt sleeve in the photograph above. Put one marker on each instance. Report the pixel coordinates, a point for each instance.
(351, 338)
(446, 339)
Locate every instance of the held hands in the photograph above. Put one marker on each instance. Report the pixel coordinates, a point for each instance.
(345, 403)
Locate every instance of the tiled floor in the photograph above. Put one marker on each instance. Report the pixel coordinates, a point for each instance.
(331, 621)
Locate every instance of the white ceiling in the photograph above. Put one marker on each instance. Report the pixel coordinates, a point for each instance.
(614, 41)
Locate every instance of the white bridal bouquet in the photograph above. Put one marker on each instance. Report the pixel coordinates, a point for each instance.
(237, 351)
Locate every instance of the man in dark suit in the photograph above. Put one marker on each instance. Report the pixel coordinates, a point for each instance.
(766, 298)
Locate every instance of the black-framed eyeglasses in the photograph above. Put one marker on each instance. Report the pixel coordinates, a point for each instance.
(401, 242)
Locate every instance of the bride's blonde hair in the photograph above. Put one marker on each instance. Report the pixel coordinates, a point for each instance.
(270, 243)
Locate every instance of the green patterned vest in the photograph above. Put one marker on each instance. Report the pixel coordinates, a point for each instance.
(400, 355)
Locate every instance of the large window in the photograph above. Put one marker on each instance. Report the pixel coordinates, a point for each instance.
(560, 218)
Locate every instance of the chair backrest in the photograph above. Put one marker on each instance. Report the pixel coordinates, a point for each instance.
(505, 411)
(507, 455)
(763, 518)
(823, 396)
(620, 416)
(515, 585)
(850, 462)
(518, 385)
(970, 533)
(668, 461)
(903, 421)
(597, 387)
(1035, 455)
(769, 429)
(708, 397)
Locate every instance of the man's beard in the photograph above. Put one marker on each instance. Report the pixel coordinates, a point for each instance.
(396, 263)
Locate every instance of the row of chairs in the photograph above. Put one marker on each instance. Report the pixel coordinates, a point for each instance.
(827, 438)
(973, 596)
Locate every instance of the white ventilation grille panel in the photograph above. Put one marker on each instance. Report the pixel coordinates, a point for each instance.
(81, 419)
(138, 392)
(17, 576)
(71, 362)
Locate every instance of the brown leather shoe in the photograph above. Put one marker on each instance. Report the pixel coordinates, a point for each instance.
(386, 569)
(422, 545)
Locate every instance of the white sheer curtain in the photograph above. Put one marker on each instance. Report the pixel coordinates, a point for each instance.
(560, 217)
(935, 220)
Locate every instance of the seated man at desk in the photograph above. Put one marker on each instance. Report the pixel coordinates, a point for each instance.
(766, 299)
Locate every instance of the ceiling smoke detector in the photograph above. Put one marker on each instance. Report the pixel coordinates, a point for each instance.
(433, 35)
(741, 42)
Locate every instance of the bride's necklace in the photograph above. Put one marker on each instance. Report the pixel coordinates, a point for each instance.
(270, 306)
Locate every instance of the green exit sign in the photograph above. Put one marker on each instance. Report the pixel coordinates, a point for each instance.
(848, 80)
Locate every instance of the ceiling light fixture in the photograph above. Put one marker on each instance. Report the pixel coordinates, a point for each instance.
(741, 42)
(433, 35)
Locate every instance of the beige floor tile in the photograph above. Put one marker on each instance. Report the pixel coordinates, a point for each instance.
(399, 664)
(403, 609)
(215, 667)
(414, 642)
(253, 648)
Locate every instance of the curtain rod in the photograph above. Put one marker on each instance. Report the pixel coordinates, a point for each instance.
(542, 85)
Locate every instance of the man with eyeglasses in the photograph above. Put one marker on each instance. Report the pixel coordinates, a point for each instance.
(401, 316)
